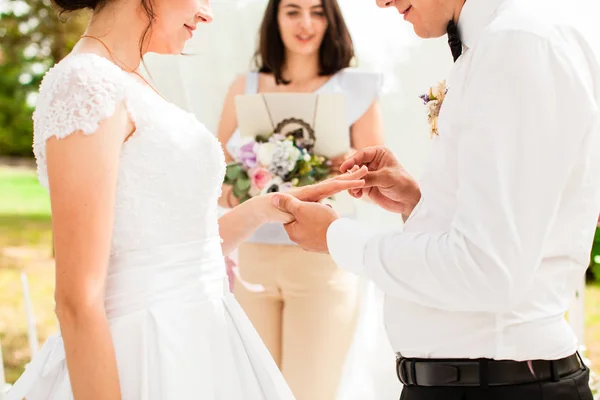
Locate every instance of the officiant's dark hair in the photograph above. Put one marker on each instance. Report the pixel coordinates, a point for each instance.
(336, 51)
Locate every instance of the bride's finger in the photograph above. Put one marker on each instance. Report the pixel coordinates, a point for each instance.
(326, 189)
(329, 188)
(341, 185)
(352, 174)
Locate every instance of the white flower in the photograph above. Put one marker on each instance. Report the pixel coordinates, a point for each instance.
(433, 107)
(306, 156)
(265, 153)
(273, 185)
(284, 158)
(293, 153)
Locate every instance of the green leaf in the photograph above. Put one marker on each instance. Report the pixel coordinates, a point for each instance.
(306, 180)
(239, 193)
(228, 181)
(263, 138)
(243, 183)
(303, 167)
(596, 272)
(321, 170)
(318, 161)
(233, 171)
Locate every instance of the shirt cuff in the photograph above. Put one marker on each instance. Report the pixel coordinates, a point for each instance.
(347, 240)
(415, 210)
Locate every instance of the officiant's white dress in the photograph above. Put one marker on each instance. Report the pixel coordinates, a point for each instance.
(178, 332)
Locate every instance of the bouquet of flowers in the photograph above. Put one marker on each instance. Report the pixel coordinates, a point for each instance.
(275, 163)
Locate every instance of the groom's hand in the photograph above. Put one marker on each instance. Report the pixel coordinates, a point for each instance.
(387, 183)
(312, 220)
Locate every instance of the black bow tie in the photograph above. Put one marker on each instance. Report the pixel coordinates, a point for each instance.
(454, 40)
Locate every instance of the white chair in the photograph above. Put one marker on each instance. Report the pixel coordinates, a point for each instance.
(3, 385)
(31, 334)
(31, 329)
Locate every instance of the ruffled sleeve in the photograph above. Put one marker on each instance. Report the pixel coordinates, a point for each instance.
(75, 96)
(362, 89)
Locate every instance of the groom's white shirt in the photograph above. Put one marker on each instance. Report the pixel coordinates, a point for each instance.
(489, 259)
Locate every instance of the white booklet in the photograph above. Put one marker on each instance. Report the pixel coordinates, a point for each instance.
(323, 116)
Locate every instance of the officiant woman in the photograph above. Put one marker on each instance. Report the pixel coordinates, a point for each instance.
(302, 304)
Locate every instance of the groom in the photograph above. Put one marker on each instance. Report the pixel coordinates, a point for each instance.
(498, 230)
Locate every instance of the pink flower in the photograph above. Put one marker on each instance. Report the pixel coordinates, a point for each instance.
(259, 177)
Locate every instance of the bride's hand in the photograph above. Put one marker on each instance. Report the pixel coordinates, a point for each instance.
(268, 213)
(327, 188)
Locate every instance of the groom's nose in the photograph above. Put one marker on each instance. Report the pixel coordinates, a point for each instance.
(205, 15)
(385, 3)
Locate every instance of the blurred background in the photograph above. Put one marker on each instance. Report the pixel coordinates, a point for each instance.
(33, 38)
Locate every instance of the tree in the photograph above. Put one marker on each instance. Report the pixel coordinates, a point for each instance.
(32, 38)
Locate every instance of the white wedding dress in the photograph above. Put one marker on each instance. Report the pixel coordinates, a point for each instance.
(177, 331)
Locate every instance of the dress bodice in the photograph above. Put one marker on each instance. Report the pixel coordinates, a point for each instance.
(170, 170)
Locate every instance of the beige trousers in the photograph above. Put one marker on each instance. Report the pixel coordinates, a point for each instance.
(306, 314)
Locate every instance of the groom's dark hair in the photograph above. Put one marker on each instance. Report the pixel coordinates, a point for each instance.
(336, 51)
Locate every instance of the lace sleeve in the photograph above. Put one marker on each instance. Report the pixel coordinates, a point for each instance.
(75, 96)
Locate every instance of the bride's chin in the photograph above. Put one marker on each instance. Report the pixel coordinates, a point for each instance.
(167, 48)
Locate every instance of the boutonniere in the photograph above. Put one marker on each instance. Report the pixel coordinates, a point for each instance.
(433, 101)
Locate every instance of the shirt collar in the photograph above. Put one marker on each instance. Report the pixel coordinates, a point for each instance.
(474, 17)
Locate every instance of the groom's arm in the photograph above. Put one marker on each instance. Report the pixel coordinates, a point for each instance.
(527, 113)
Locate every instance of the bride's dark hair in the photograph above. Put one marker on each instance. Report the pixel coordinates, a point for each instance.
(95, 5)
(76, 5)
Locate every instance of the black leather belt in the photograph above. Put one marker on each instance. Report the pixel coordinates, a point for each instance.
(483, 372)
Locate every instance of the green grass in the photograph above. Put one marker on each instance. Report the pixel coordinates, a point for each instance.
(26, 245)
(22, 195)
(592, 324)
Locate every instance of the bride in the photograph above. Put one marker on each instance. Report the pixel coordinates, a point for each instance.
(141, 288)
